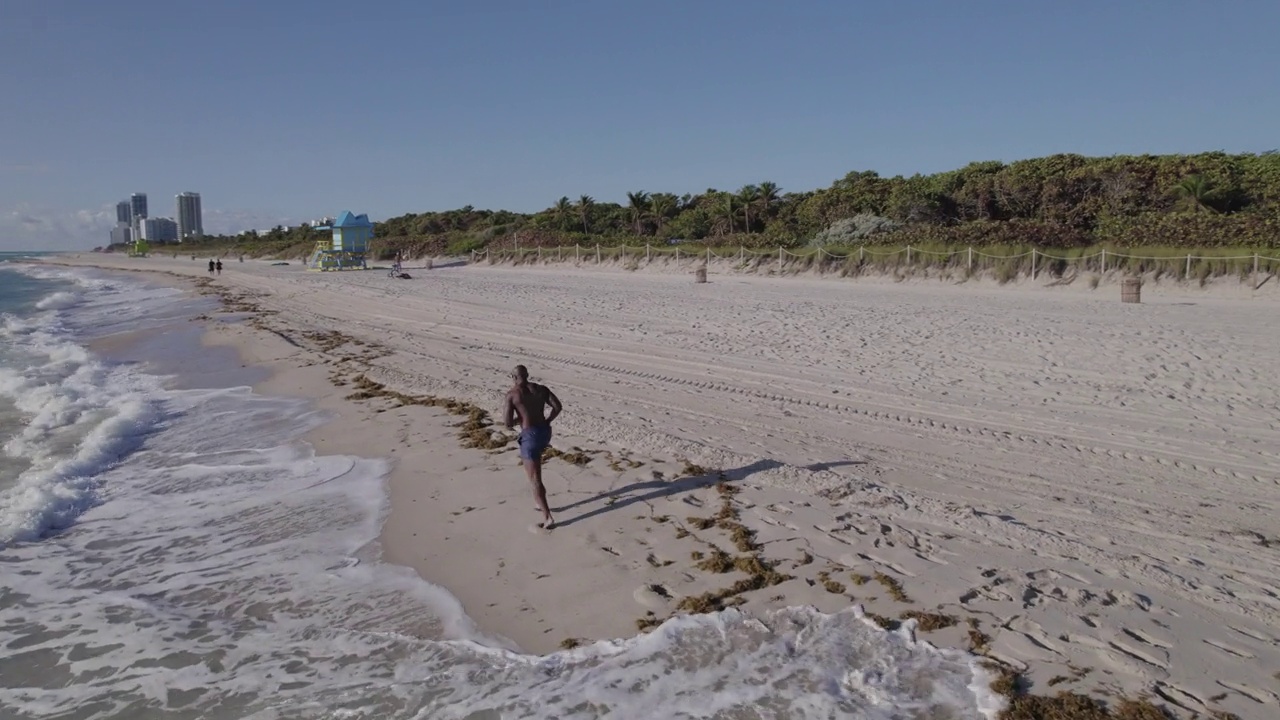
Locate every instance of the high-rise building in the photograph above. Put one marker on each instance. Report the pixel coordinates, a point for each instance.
(124, 213)
(138, 205)
(121, 234)
(138, 212)
(158, 230)
(190, 220)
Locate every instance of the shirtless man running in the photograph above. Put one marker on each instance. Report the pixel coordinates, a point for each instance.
(525, 403)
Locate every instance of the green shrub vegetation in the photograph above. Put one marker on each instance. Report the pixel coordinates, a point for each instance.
(1207, 200)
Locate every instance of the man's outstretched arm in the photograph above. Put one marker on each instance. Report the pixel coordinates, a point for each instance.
(554, 402)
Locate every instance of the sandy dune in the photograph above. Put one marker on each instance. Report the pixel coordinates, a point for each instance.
(1094, 483)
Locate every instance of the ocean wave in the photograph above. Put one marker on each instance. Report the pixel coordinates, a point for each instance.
(80, 418)
(59, 301)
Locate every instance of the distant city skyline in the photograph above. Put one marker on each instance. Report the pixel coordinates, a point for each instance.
(507, 105)
(134, 222)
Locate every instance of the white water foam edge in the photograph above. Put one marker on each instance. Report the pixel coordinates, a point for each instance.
(183, 553)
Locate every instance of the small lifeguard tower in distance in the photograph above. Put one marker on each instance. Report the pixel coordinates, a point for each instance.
(348, 247)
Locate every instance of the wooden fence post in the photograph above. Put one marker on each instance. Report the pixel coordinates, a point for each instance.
(577, 256)
(908, 254)
(1033, 263)
(677, 257)
(1255, 268)
(779, 259)
(1104, 261)
(539, 254)
(646, 252)
(709, 257)
(1187, 276)
(742, 255)
(597, 253)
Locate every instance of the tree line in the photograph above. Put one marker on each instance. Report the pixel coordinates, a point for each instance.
(1059, 201)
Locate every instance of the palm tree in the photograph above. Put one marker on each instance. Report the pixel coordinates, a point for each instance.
(749, 195)
(728, 213)
(585, 203)
(663, 207)
(638, 204)
(769, 197)
(1195, 193)
(561, 212)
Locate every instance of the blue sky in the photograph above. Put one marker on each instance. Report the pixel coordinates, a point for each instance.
(282, 111)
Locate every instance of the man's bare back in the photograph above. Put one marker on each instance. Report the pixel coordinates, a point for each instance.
(528, 400)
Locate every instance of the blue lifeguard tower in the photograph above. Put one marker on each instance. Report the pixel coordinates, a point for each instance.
(348, 247)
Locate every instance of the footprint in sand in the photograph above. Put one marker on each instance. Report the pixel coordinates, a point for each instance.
(1147, 638)
(1229, 649)
(887, 564)
(767, 520)
(1142, 602)
(656, 597)
(1255, 635)
(1262, 697)
(1153, 657)
(1178, 697)
(832, 536)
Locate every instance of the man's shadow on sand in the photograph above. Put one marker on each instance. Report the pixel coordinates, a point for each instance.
(648, 490)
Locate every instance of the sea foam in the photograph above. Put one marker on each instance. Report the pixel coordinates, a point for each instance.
(80, 418)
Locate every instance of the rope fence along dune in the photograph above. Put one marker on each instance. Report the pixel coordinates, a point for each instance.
(1102, 260)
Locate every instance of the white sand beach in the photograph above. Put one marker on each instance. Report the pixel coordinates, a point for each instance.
(1089, 488)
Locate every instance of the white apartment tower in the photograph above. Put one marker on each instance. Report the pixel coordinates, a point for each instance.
(190, 220)
(159, 230)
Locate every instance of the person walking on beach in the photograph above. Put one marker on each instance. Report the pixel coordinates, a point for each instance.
(525, 404)
(210, 266)
(219, 266)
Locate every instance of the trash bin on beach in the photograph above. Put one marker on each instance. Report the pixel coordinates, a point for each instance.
(700, 275)
(429, 263)
(1131, 290)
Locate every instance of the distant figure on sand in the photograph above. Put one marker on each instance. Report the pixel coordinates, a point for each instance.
(525, 403)
(219, 266)
(210, 266)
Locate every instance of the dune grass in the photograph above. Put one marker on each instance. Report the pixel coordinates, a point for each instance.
(1004, 263)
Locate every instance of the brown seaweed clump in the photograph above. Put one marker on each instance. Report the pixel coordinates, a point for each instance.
(831, 586)
(929, 621)
(893, 586)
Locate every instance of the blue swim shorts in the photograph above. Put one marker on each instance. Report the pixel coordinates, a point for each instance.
(533, 441)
